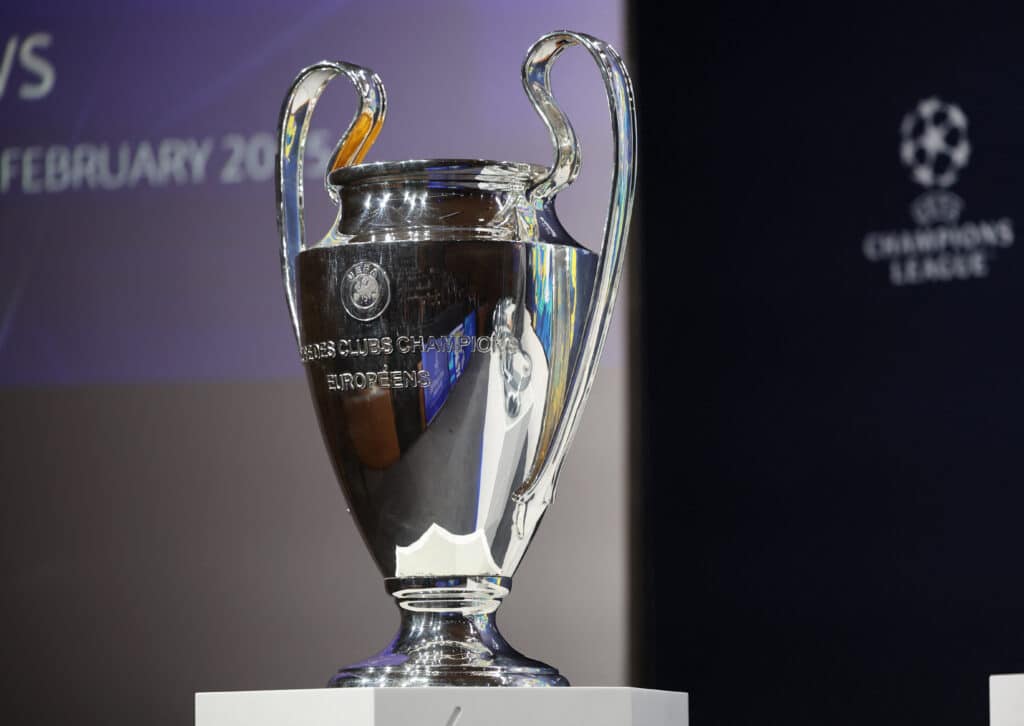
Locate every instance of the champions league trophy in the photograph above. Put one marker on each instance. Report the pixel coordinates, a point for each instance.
(450, 330)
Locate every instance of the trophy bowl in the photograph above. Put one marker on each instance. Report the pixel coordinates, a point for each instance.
(450, 330)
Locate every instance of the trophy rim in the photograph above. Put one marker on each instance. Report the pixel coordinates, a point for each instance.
(441, 169)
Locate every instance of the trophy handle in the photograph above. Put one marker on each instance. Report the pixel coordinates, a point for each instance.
(296, 114)
(537, 82)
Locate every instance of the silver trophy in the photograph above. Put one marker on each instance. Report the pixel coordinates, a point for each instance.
(450, 329)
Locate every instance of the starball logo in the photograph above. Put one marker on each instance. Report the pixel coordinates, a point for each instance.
(936, 150)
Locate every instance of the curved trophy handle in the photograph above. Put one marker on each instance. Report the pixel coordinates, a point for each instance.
(537, 81)
(296, 114)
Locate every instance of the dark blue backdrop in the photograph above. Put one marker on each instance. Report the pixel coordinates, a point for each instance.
(833, 456)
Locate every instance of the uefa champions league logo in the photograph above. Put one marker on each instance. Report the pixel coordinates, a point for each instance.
(935, 149)
(365, 291)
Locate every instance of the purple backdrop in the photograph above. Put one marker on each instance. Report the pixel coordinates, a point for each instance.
(137, 231)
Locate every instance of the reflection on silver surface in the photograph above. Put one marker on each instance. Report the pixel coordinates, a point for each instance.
(450, 329)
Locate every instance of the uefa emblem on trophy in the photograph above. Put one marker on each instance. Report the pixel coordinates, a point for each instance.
(450, 330)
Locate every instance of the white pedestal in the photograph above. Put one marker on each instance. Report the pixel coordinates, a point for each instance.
(1006, 700)
(444, 707)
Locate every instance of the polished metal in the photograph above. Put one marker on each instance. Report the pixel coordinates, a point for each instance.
(451, 330)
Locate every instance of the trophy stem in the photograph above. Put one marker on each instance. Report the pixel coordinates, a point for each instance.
(448, 637)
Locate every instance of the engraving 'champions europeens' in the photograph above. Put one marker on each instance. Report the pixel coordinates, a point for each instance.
(387, 345)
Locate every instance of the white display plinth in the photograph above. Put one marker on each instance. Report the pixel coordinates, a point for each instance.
(1006, 700)
(444, 707)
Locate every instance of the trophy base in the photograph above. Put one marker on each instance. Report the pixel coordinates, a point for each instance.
(362, 676)
(448, 637)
